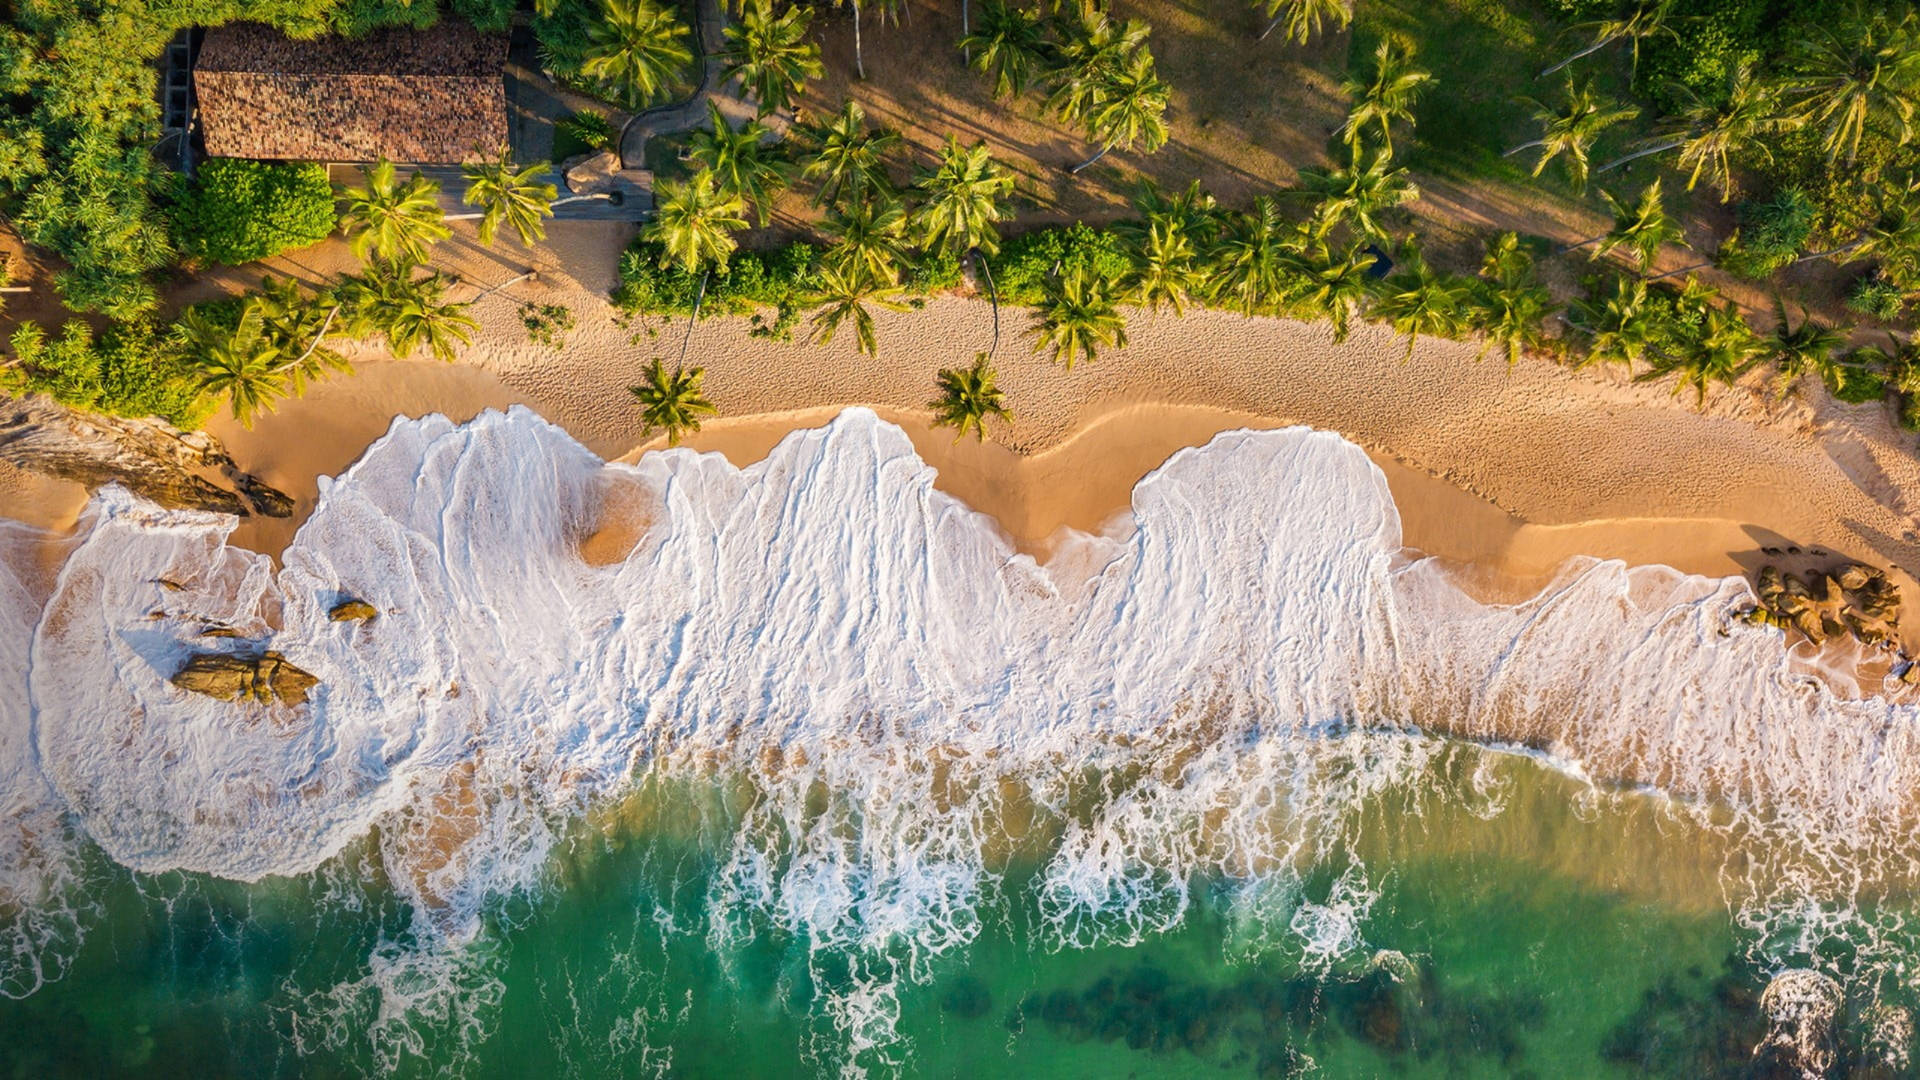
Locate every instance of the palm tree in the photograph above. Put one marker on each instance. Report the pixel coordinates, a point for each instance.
(743, 164)
(1643, 228)
(1809, 348)
(849, 157)
(693, 222)
(859, 58)
(770, 54)
(968, 399)
(1358, 196)
(672, 403)
(1619, 325)
(1010, 47)
(1304, 18)
(1133, 110)
(1570, 130)
(1166, 266)
(636, 50)
(1338, 285)
(1077, 317)
(1388, 96)
(844, 293)
(1638, 21)
(423, 319)
(961, 199)
(1708, 131)
(1511, 307)
(1862, 73)
(394, 221)
(298, 324)
(1251, 263)
(869, 235)
(1421, 300)
(510, 195)
(1727, 349)
(243, 363)
(1092, 49)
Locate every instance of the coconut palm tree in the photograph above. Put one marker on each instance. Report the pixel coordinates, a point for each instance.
(770, 54)
(1642, 229)
(1421, 300)
(1304, 18)
(409, 311)
(1862, 73)
(1727, 349)
(859, 57)
(961, 200)
(1511, 308)
(1636, 21)
(243, 363)
(393, 221)
(1569, 131)
(636, 50)
(1166, 266)
(848, 156)
(869, 235)
(299, 324)
(1077, 318)
(1708, 131)
(672, 403)
(1387, 96)
(1010, 47)
(1337, 284)
(1808, 349)
(1619, 325)
(1132, 110)
(1093, 47)
(1358, 196)
(693, 222)
(1252, 268)
(968, 399)
(1193, 210)
(510, 195)
(843, 296)
(742, 162)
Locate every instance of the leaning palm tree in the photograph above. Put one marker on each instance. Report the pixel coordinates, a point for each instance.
(843, 296)
(1387, 96)
(1093, 47)
(742, 162)
(1304, 18)
(1166, 266)
(1510, 307)
(1620, 326)
(1337, 284)
(1808, 349)
(869, 235)
(672, 403)
(1862, 73)
(770, 54)
(1251, 268)
(1569, 130)
(1727, 349)
(299, 324)
(1132, 111)
(1421, 300)
(1636, 21)
(1709, 130)
(1010, 46)
(848, 156)
(424, 319)
(394, 221)
(968, 399)
(510, 195)
(1642, 229)
(1077, 318)
(243, 363)
(1358, 196)
(636, 50)
(961, 199)
(693, 222)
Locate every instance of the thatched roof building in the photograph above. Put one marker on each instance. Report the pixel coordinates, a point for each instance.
(414, 96)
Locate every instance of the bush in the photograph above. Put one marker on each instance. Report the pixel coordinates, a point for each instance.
(489, 15)
(241, 211)
(128, 372)
(1877, 297)
(587, 130)
(1858, 385)
(934, 272)
(1025, 262)
(751, 281)
(1771, 235)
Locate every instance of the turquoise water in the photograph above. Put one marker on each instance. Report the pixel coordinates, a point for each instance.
(1561, 932)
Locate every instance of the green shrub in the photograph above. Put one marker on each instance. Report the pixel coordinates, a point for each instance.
(1771, 235)
(492, 16)
(1025, 262)
(128, 372)
(751, 281)
(585, 131)
(1858, 385)
(355, 17)
(933, 272)
(1877, 297)
(241, 211)
(1709, 39)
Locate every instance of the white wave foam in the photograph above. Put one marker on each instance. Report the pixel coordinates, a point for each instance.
(909, 702)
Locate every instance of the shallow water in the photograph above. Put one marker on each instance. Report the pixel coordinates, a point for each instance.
(824, 778)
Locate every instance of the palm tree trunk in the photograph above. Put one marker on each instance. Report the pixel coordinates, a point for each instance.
(317, 339)
(1075, 171)
(1682, 270)
(1638, 154)
(1277, 19)
(966, 29)
(993, 294)
(1581, 244)
(698, 295)
(859, 64)
(1588, 51)
(1525, 146)
(1841, 250)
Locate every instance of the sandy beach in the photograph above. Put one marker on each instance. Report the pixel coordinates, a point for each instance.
(1506, 471)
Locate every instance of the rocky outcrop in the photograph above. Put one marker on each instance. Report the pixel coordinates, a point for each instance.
(1851, 599)
(182, 470)
(263, 677)
(352, 611)
(591, 174)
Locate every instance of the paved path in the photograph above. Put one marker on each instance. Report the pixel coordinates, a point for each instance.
(691, 112)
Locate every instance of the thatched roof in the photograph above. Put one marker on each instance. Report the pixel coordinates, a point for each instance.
(433, 95)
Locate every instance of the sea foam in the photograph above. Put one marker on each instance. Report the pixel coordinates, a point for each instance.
(1207, 692)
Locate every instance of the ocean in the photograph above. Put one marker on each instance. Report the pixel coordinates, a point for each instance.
(823, 778)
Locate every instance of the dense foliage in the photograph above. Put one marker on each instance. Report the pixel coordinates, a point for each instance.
(130, 370)
(237, 211)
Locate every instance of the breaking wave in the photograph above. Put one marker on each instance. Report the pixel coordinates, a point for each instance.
(877, 713)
